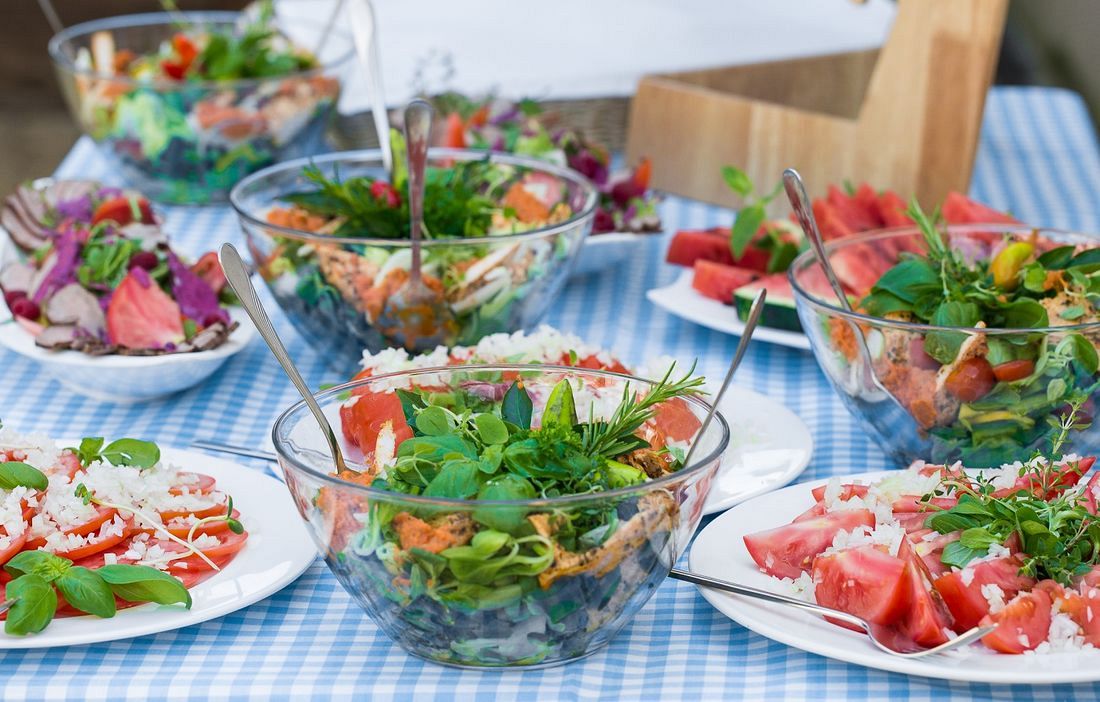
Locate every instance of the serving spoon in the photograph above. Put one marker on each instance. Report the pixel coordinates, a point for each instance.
(364, 32)
(237, 275)
(883, 637)
(415, 315)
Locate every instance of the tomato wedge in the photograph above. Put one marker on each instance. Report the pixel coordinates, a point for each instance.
(864, 581)
(964, 597)
(1011, 371)
(847, 491)
(927, 616)
(971, 380)
(1022, 625)
(203, 484)
(363, 416)
(789, 550)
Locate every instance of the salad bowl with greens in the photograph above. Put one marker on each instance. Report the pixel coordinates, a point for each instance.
(330, 237)
(503, 516)
(186, 104)
(968, 342)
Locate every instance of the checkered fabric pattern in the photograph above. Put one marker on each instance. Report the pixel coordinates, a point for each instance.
(1038, 158)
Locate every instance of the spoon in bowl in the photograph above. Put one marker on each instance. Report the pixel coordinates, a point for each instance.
(364, 32)
(415, 315)
(237, 275)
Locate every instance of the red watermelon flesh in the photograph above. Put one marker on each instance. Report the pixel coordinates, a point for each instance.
(718, 281)
(141, 315)
(859, 266)
(859, 211)
(959, 209)
(830, 221)
(691, 245)
(891, 210)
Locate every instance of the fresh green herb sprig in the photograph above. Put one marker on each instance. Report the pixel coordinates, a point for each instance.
(751, 216)
(40, 576)
(120, 452)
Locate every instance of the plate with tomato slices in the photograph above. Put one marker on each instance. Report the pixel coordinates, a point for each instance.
(271, 551)
(799, 525)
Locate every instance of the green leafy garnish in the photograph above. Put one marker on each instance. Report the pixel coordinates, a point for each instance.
(15, 473)
(121, 452)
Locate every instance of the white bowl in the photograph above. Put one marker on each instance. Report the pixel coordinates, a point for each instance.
(128, 379)
(602, 251)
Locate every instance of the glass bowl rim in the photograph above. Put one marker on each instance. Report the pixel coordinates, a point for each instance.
(284, 453)
(808, 258)
(152, 19)
(436, 153)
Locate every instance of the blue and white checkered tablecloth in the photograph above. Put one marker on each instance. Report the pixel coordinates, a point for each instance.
(1038, 158)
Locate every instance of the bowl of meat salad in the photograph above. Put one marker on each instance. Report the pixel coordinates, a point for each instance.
(968, 342)
(330, 237)
(503, 516)
(186, 104)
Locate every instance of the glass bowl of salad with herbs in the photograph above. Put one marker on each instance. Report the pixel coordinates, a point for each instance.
(967, 342)
(330, 237)
(186, 104)
(503, 516)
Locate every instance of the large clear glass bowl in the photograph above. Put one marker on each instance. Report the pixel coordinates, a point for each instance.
(508, 620)
(901, 396)
(189, 142)
(334, 289)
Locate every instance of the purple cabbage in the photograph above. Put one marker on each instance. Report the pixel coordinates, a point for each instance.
(197, 300)
(62, 265)
(79, 209)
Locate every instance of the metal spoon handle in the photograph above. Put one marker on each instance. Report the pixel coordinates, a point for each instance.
(742, 347)
(803, 209)
(236, 274)
(51, 15)
(330, 24)
(418, 128)
(756, 593)
(364, 31)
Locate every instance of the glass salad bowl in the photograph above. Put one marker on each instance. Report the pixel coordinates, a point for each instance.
(509, 576)
(334, 288)
(958, 390)
(188, 140)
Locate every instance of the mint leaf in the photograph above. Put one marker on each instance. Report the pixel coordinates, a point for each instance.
(745, 227)
(737, 180)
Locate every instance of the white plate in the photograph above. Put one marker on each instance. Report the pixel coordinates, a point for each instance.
(118, 378)
(769, 447)
(719, 551)
(602, 251)
(278, 550)
(685, 302)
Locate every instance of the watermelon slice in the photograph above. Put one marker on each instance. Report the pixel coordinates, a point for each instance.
(141, 315)
(891, 210)
(690, 245)
(718, 281)
(859, 211)
(959, 209)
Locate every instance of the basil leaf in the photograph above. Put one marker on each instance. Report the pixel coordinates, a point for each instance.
(560, 408)
(977, 538)
(745, 227)
(1057, 258)
(138, 583)
(944, 346)
(411, 403)
(1025, 314)
(457, 479)
(504, 518)
(434, 421)
(89, 449)
(737, 180)
(132, 452)
(1088, 257)
(947, 522)
(41, 563)
(491, 429)
(910, 280)
(1082, 350)
(85, 590)
(955, 554)
(35, 605)
(15, 473)
(516, 406)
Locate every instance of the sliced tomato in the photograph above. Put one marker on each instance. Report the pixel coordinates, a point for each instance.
(1011, 371)
(927, 616)
(789, 550)
(94, 546)
(1022, 625)
(142, 316)
(971, 380)
(593, 361)
(212, 528)
(120, 210)
(363, 416)
(202, 484)
(229, 545)
(1065, 476)
(864, 581)
(211, 511)
(17, 545)
(964, 596)
(915, 503)
(101, 517)
(675, 421)
(69, 464)
(847, 491)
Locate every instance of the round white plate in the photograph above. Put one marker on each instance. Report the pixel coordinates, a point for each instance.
(278, 550)
(769, 447)
(127, 379)
(601, 251)
(719, 551)
(685, 302)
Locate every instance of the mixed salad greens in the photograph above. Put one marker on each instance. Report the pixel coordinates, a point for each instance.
(487, 286)
(626, 202)
(99, 276)
(104, 526)
(510, 584)
(986, 397)
(214, 102)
